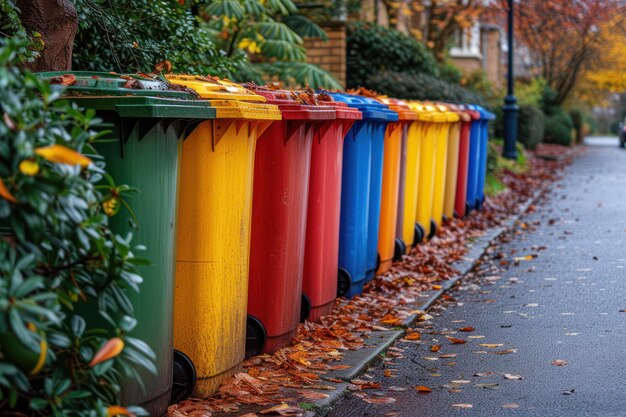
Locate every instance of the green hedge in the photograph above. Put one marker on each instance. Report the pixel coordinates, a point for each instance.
(373, 49)
(559, 127)
(417, 86)
(531, 126)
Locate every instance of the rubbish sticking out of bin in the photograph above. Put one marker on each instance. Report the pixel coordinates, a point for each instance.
(360, 192)
(147, 121)
(399, 136)
(213, 243)
(280, 198)
(321, 254)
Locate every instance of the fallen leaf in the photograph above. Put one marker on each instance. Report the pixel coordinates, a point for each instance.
(475, 337)
(249, 415)
(510, 406)
(524, 258)
(568, 392)
(559, 362)
(461, 405)
(504, 352)
(435, 348)
(413, 336)
(430, 358)
(283, 409)
(437, 287)
(380, 400)
(389, 373)
(398, 389)
(422, 389)
(313, 395)
(513, 377)
(456, 341)
(466, 329)
(488, 386)
(460, 381)
(425, 317)
(448, 355)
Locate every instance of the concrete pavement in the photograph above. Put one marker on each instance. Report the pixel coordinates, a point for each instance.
(547, 306)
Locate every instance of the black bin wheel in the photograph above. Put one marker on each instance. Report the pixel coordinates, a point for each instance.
(184, 377)
(305, 308)
(433, 229)
(377, 261)
(420, 233)
(398, 250)
(468, 209)
(456, 215)
(256, 336)
(480, 203)
(344, 281)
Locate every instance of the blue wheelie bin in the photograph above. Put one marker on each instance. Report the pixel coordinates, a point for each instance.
(485, 118)
(360, 193)
(473, 165)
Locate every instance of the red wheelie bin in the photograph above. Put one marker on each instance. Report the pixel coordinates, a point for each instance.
(464, 146)
(279, 206)
(321, 255)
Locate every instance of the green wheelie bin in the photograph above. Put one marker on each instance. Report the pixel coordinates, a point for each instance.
(147, 121)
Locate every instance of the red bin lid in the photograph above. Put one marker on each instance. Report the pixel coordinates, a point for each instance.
(295, 104)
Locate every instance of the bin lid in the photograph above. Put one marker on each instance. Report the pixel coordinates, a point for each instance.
(295, 104)
(342, 110)
(129, 95)
(372, 110)
(484, 114)
(399, 106)
(473, 114)
(428, 112)
(230, 100)
(451, 116)
(463, 114)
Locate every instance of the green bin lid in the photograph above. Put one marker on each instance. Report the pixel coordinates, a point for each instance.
(130, 95)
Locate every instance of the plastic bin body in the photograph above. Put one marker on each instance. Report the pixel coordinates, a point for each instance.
(405, 229)
(433, 124)
(460, 199)
(361, 183)
(321, 254)
(279, 206)
(482, 163)
(147, 127)
(441, 161)
(213, 239)
(452, 170)
(394, 181)
(474, 163)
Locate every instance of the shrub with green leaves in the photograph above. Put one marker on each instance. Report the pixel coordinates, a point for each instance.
(559, 127)
(373, 49)
(418, 86)
(59, 259)
(531, 125)
(134, 35)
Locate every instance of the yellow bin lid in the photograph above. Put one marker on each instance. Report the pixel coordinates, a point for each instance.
(230, 100)
(428, 112)
(450, 115)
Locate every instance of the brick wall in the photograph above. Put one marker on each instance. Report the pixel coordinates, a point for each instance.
(330, 55)
(493, 68)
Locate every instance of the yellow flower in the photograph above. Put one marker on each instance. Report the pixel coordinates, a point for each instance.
(111, 206)
(29, 167)
(60, 154)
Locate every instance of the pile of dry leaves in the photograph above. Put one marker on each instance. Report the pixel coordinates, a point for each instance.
(294, 374)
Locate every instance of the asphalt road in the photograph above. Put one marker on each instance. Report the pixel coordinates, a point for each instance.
(562, 305)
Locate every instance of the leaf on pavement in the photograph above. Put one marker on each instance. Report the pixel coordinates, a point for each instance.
(435, 348)
(461, 405)
(466, 329)
(380, 400)
(490, 345)
(513, 377)
(559, 362)
(456, 341)
(423, 389)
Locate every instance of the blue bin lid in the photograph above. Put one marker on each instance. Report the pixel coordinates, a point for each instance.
(372, 110)
(485, 115)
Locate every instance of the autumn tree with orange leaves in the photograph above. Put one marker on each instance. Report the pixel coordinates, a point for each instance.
(565, 37)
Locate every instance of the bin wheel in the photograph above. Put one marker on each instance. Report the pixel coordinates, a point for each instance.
(256, 336)
(480, 202)
(468, 209)
(456, 215)
(419, 234)
(398, 250)
(433, 229)
(377, 261)
(344, 281)
(305, 308)
(184, 377)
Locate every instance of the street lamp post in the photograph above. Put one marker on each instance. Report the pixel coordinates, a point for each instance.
(510, 102)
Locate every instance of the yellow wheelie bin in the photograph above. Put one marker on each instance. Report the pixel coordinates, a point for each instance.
(432, 122)
(452, 170)
(441, 160)
(213, 240)
(389, 196)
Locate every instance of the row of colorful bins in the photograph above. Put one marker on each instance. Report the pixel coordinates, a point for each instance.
(263, 200)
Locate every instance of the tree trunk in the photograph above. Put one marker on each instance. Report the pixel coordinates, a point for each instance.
(56, 21)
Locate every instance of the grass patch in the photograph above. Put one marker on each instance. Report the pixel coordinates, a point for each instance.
(493, 186)
(307, 406)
